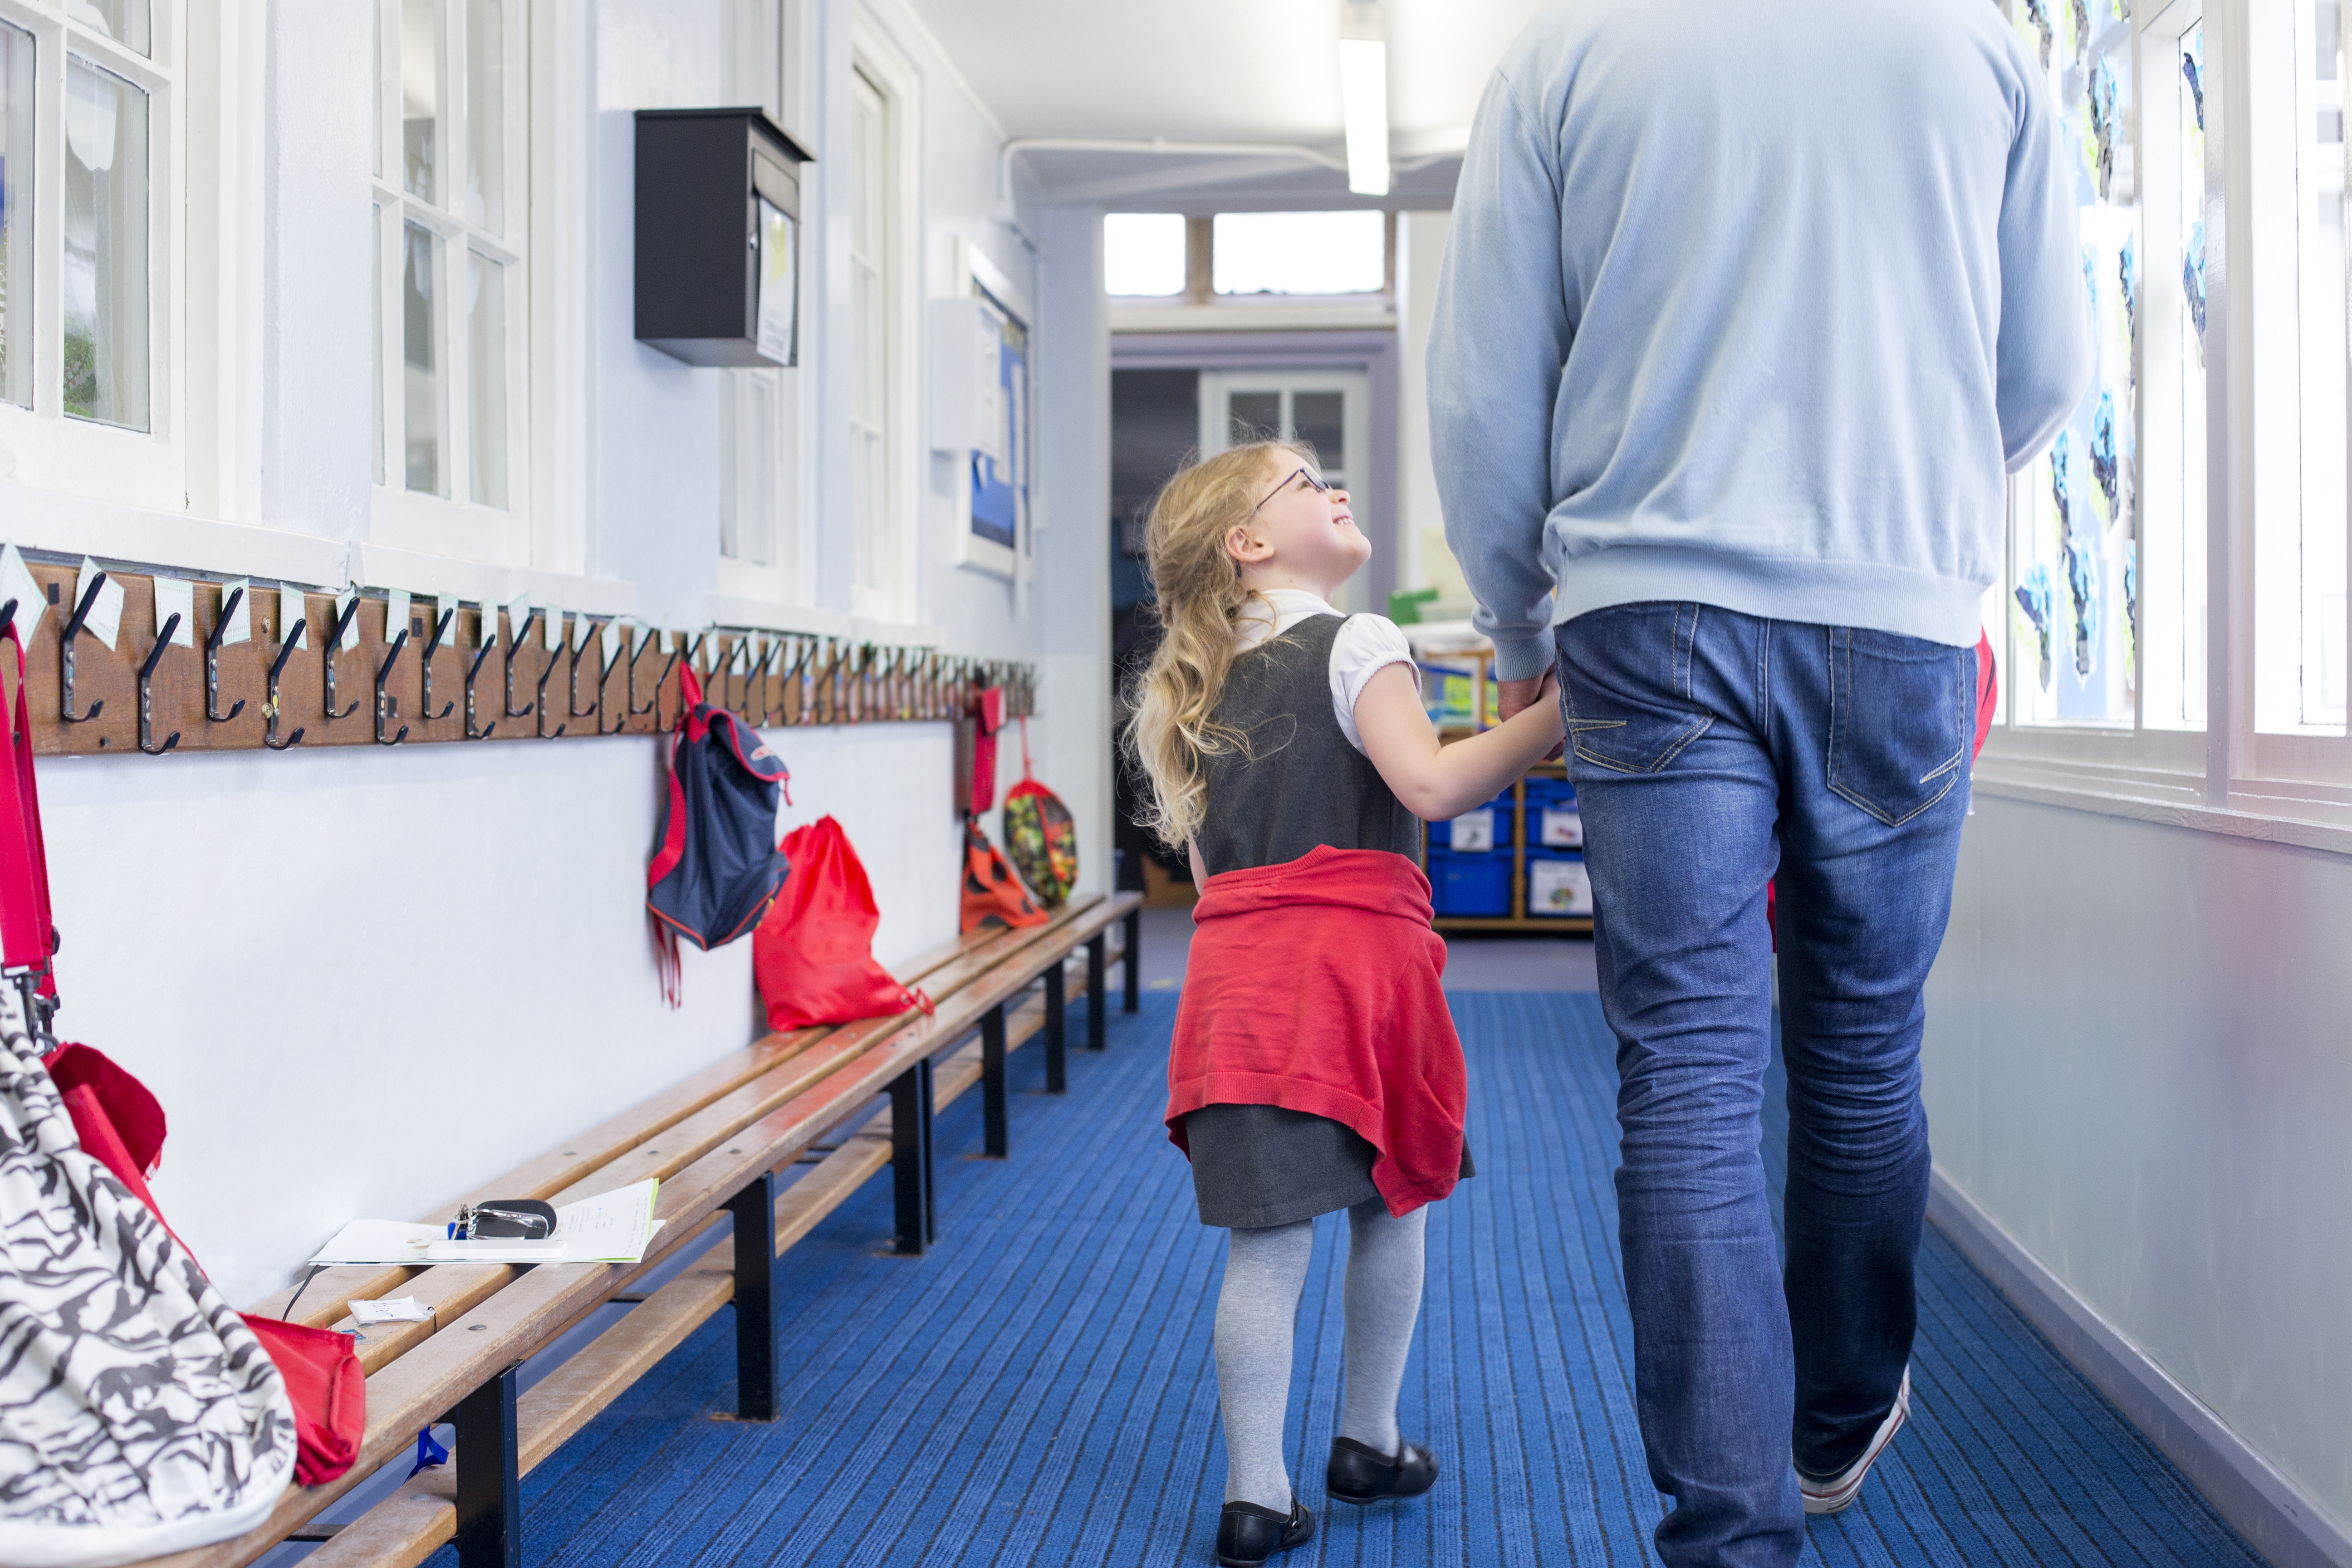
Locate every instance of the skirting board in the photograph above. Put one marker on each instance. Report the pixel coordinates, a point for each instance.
(2273, 1514)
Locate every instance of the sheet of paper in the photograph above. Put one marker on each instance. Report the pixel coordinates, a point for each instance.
(552, 628)
(344, 601)
(105, 621)
(638, 636)
(608, 644)
(500, 1249)
(581, 626)
(611, 1228)
(292, 612)
(397, 616)
(455, 635)
(239, 621)
(380, 1241)
(176, 596)
(17, 583)
(391, 1309)
(518, 611)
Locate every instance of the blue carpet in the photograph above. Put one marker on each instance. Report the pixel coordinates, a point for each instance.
(1038, 1389)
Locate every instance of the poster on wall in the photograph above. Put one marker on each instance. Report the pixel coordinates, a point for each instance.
(995, 535)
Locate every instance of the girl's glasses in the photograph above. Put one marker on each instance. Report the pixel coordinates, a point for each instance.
(1310, 474)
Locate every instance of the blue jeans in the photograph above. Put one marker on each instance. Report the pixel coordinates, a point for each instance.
(1713, 752)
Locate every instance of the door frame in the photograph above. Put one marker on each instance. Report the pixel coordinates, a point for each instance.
(1374, 352)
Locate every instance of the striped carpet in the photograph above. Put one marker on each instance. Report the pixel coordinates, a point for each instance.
(1039, 1390)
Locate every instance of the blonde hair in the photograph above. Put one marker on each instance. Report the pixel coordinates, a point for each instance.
(1199, 593)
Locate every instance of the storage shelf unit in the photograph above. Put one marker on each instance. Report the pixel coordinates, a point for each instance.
(1521, 839)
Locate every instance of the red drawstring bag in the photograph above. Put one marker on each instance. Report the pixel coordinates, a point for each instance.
(1040, 834)
(989, 717)
(120, 1124)
(993, 895)
(813, 954)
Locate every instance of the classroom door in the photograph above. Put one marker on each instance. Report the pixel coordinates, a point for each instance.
(1329, 410)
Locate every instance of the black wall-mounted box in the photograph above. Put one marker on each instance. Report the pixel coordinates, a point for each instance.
(719, 206)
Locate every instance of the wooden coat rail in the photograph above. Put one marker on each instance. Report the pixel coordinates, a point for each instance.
(143, 696)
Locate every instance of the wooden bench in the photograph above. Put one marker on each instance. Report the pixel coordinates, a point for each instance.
(718, 1142)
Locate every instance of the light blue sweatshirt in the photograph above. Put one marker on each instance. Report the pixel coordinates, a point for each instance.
(1752, 304)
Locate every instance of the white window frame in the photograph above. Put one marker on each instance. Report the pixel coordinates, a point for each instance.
(45, 448)
(456, 527)
(765, 431)
(2229, 776)
(899, 598)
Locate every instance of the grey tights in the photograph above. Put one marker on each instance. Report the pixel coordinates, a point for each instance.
(1265, 1272)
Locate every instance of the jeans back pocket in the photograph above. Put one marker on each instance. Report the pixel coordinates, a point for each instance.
(1901, 712)
(1625, 684)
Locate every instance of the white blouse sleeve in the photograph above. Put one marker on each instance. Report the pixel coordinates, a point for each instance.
(1365, 646)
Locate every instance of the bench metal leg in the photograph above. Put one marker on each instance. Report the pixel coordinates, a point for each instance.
(754, 1209)
(1094, 1040)
(910, 1157)
(1134, 921)
(1057, 1032)
(992, 1081)
(490, 1491)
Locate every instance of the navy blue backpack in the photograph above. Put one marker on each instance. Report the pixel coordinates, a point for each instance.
(716, 866)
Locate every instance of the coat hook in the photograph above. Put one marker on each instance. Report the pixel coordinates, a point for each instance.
(432, 647)
(270, 706)
(514, 645)
(474, 731)
(676, 653)
(540, 704)
(66, 655)
(633, 654)
(334, 641)
(579, 646)
(767, 666)
(8, 618)
(146, 694)
(212, 662)
(604, 668)
(385, 707)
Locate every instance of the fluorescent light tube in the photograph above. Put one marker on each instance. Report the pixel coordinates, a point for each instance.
(1364, 97)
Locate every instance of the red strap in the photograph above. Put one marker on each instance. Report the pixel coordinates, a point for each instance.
(1027, 773)
(26, 936)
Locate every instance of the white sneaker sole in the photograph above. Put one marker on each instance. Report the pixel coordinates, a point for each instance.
(1836, 1494)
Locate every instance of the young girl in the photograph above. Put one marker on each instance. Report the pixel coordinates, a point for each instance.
(1315, 1066)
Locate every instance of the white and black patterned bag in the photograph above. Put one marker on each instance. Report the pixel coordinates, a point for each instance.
(139, 1416)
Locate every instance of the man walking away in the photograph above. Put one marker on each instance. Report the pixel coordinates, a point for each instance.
(1745, 311)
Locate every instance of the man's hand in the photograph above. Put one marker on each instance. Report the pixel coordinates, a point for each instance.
(1519, 695)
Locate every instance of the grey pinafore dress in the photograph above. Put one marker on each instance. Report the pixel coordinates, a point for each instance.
(1298, 784)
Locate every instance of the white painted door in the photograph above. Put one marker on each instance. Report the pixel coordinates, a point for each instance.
(1328, 410)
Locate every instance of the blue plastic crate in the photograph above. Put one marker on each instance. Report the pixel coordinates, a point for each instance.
(1469, 884)
(1553, 820)
(1441, 835)
(1557, 884)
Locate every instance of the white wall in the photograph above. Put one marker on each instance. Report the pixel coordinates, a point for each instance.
(365, 981)
(1425, 562)
(2138, 1060)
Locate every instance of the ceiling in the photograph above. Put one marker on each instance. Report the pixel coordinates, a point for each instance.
(1220, 70)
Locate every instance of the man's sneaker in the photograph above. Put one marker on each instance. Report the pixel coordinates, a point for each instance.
(1835, 1494)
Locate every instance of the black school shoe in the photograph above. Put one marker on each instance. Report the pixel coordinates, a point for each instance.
(1248, 1534)
(1360, 1474)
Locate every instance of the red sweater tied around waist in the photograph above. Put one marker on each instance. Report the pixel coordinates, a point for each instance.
(1315, 985)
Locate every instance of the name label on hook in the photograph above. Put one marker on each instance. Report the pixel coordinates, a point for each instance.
(397, 602)
(237, 623)
(518, 611)
(105, 618)
(552, 620)
(17, 582)
(176, 596)
(343, 601)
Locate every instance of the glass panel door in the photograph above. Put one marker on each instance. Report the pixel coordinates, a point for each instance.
(1325, 411)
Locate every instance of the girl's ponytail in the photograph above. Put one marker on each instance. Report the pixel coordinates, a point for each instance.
(1199, 593)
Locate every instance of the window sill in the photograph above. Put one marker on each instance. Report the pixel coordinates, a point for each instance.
(74, 525)
(2310, 816)
(386, 566)
(767, 615)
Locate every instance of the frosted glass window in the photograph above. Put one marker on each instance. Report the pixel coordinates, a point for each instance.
(1299, 253)
(1143, 254)
(423, 399)
(876, 563)
(105, 271)
(15, 215)
(129, 23)
(486, 338)
(486, 115)
(422, 63)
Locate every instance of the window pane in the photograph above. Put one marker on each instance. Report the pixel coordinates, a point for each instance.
(1318, 419)
(876, 563)
(15, 215)
(1254, 417)
(105, 275)
(485, 346)
(2074, 548)
(1300, 253)
(127, 22)
(1143, 253)
(422, 398)
(486, 121)
(421, 68)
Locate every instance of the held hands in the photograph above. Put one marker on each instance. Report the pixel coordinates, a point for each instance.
(1517, 696)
